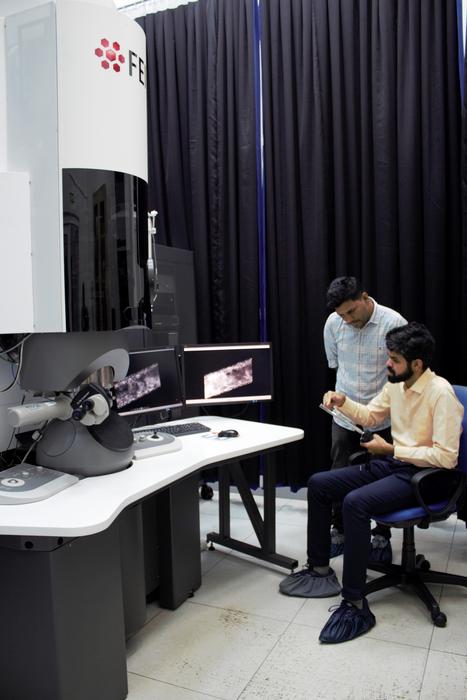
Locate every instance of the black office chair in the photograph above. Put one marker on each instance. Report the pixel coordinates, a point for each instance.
(447, 488)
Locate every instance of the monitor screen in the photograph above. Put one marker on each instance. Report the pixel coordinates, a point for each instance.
(152, 383)
(230, 373)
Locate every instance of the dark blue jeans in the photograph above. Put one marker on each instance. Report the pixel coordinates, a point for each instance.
(381, 486)
(344, 443)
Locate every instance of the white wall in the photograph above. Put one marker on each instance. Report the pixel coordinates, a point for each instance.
(139, 8)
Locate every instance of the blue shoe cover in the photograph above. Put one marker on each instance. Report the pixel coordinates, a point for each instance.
(347, 622)
(380, 550)
(309, 584)
(337, 544)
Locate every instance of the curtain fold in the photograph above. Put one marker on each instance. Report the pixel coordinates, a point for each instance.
(202, 155)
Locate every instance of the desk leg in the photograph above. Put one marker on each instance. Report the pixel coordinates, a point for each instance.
(224, 502)
(179, 542)
(265, 529)
(62, 631)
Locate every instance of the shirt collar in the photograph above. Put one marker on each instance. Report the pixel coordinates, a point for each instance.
(374, 318)
(422, 381)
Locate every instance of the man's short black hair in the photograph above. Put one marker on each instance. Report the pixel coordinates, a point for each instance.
(342, 289)
(413, 341)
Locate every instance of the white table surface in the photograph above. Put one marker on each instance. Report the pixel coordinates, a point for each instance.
(93, 503)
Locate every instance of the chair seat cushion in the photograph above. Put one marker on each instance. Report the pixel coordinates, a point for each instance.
(415, 513)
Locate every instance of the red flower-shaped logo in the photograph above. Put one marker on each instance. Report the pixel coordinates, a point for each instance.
(110, 55)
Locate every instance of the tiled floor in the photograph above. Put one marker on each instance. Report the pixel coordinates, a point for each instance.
(239, 638)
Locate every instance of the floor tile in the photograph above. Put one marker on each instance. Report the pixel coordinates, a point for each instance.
(461, 525)
(300, 668)
(445, 677)
(453, 637)
(399, 617)
(240, 529)
(210, 559)
(458, 556)
(152, 609)
(249, 587)
(239, 638)
(291, 541)
(294, 512)
(140, 688)
(210, 507)
(204, 649)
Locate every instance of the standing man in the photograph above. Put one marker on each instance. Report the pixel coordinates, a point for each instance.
(355, 344)
(426, 424)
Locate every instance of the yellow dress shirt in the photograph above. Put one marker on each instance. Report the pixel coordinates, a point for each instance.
(426, 420)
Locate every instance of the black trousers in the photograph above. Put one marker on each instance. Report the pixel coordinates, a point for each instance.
(380, 486)
(343, 444)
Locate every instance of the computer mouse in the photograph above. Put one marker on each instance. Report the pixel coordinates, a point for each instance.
(228, 433)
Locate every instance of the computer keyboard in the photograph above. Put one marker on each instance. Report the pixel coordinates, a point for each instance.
(182, 429)
(174, 429)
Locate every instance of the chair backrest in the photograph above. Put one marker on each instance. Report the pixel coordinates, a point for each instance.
(461, 393)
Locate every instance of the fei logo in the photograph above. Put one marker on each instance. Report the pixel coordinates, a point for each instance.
(110, 56)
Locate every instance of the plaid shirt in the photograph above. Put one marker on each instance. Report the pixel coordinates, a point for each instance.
(360, 354)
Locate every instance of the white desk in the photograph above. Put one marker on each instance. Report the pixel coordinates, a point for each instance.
(91, 505)
(61, 596)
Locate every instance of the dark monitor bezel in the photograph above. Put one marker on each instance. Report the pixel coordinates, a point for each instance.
(224, 401)
(154, 409)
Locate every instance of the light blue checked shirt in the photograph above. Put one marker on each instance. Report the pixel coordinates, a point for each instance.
(359, 354)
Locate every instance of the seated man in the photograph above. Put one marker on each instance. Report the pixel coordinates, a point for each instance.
(426, 420)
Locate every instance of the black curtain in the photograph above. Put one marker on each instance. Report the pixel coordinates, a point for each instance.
(362, 155)
(362, 170)
(462, 344)
(202, 155)
(202, 162)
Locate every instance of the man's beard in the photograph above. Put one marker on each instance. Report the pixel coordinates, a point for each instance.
(396, 378)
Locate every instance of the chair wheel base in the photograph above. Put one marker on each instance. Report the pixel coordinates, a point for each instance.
(422, 563)
(206, 492)
(439, 619)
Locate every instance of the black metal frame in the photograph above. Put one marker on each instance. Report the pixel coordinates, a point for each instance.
(265, 529)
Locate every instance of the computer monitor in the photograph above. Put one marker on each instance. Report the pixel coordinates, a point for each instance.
(153, 383)
(227, 373)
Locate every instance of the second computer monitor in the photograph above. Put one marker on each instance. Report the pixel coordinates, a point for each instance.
(227, 373)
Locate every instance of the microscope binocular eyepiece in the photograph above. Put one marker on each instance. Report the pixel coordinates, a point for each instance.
(80, 411)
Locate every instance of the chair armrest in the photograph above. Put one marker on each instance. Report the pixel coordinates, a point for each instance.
(359, 457)
(437, 478)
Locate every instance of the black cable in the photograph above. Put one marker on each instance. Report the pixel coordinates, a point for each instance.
(34, 442)
(13, 347)
(15, 378)
(20, 362)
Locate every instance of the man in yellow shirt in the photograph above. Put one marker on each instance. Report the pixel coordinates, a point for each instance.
(426, 420)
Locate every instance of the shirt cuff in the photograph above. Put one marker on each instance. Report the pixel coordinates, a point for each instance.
(399, 453)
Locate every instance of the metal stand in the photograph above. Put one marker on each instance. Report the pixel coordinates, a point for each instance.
(265, 529)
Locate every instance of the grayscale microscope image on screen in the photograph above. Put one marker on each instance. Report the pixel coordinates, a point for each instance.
(228, 378)
(231, 373)
(138, 384)
(152, 383)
